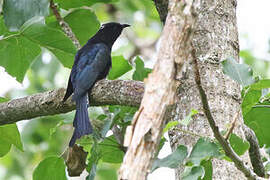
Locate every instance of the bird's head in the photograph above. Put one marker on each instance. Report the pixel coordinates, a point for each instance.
(109, 32)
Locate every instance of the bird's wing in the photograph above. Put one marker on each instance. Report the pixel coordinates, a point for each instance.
(89, 66)
(70, 88)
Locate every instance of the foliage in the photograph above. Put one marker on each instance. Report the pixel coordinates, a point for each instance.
(50, 168)
(241, 73)
(29, 31)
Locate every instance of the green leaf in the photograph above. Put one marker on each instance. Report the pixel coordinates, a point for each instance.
(16, 55)
(19, 50)
(258, 120)
(2, 99)
(239, 145)
(122, 115)
(194, 173)
(119, 67)
(10, 134)
(208, 169)
(4, 147)
(241, 73)
(16, 13)
(203, 150)
(169, 126)
(67, 4)
(110, 150)
(173, 160)
(261, 84)
(52, 168)
(250, 99)
(141, 72)
(52, 39)
(188, 118)
(3, 29)
(85, 27)
(253, 95)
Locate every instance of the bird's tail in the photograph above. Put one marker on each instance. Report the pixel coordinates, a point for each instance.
(81, 121)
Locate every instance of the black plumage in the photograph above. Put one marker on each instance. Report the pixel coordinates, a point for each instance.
(92, 63)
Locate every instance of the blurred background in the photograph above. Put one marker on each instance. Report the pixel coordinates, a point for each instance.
(47, 136)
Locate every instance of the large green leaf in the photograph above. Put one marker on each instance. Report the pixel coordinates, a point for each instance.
(173, 160)
(3, 29)
(239, 145)
(4, 147)
(18, 51)
(67, 4)
(241, 73)
(17, 12)
(52, 39)
(110, 150)
(10, 134)
(253, 94)
(203, 150)
(193, 173)
(51, 168)
(119, 67)
(85, 27)
(258, 119)
(16, 55)
(141, 72)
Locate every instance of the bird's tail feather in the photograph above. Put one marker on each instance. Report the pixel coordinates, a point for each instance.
(81, 121)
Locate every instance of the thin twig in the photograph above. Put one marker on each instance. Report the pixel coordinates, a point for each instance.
(65, 27)
(225, 145)
(232, 126)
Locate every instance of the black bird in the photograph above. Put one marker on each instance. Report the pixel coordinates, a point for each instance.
(92, 63)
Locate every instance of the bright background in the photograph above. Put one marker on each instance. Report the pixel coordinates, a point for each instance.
(254, 36)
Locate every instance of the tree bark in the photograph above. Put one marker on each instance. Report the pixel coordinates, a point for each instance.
(214, 39)
(142, 137)
(105, 92)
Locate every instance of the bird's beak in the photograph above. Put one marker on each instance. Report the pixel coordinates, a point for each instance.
(125, 25)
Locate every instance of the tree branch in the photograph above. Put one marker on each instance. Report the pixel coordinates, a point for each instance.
(254, 152)
(225, 145)
(65, 27)
(105, 92)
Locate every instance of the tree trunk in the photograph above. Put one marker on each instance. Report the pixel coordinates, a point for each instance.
(214, 39)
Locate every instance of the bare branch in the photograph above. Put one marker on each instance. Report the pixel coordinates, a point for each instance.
(105, 92)
(65, 27)
(225, 145)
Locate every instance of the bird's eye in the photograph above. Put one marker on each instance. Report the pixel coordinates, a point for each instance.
(102, 27)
